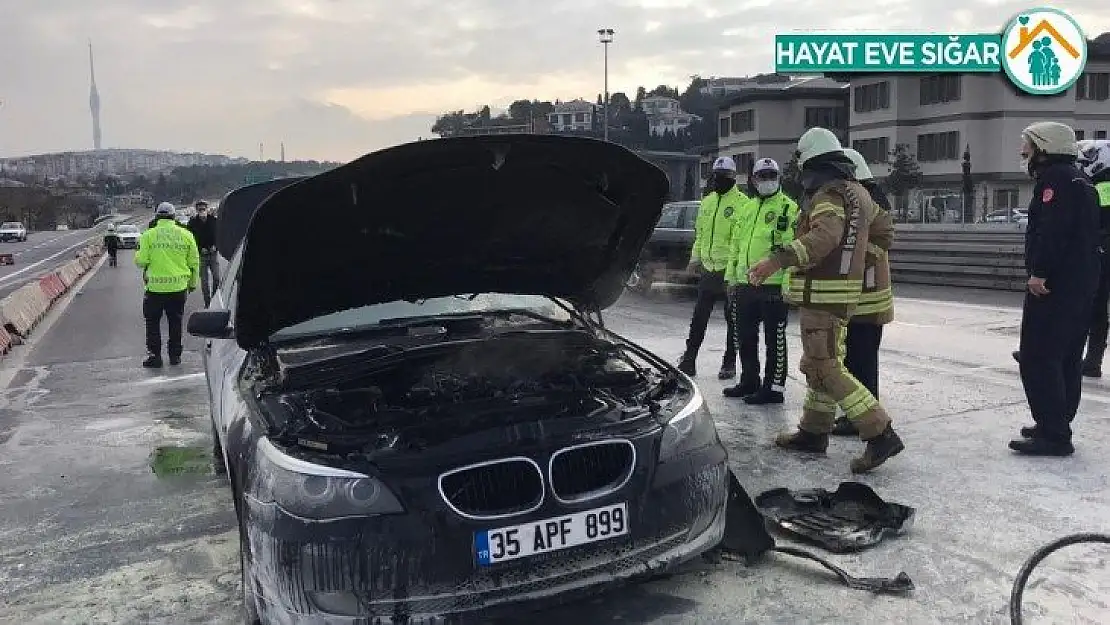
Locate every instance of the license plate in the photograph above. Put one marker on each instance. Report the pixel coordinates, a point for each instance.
(529, 539)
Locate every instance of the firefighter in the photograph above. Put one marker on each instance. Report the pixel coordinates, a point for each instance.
(828, 259)
(1062, 259)
(1095, 160)
(876, 304)
(766, 223)
(712, 236)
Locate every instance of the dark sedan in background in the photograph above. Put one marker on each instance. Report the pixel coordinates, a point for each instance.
(667, 253)
(427, 418)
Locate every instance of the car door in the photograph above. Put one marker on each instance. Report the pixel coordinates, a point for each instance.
(223, 357)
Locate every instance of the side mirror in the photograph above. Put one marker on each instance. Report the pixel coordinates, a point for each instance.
(211, 324)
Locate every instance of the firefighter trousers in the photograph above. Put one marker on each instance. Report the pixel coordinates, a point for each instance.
(829, 384)
(1053, 331)
(752, 305)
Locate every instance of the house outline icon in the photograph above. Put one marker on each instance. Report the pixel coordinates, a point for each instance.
(1026, 37)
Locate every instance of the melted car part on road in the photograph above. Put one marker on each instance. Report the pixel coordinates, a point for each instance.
(746, 538)
(851, 518)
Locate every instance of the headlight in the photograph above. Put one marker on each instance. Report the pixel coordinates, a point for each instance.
(690, 429)
(314, 491)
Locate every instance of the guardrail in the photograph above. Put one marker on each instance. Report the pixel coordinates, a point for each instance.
(982, 256)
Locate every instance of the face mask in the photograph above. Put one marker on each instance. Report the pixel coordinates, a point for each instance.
(767, 187)
(722, 182)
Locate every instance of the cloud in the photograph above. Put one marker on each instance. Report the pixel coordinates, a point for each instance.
(335, 78)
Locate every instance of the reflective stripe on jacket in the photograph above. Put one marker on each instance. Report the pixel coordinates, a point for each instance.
(713, 228)
(761, 226)
(830, 248)
(168, 257)
(876, 300)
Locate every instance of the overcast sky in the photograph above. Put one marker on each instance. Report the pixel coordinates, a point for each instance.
(338, 78)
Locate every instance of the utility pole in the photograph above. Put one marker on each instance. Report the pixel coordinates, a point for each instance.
(605, 35)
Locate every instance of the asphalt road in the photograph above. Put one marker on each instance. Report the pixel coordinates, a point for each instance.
(89, 534)
(38, 255)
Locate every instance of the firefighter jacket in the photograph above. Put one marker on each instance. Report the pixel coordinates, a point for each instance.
(876, 300)
(762, 225)
(713, 228)
(828, 253)
(168, 257)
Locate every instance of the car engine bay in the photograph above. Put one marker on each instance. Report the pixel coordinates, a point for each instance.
(440, 394)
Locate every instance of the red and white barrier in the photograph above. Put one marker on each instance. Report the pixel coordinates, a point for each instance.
(25, 307)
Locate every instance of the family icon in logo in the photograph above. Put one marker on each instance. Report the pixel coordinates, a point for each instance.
(1045, 51)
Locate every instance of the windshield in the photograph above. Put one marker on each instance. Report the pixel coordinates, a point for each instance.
(127, 229)
(369, 315)
(10, 224)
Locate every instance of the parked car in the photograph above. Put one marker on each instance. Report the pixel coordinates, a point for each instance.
(426, 418)
(13, 231)
(1011, 215)
(128, 236)
(667, 253)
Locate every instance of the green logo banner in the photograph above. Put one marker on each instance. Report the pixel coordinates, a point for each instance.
(1043, 51)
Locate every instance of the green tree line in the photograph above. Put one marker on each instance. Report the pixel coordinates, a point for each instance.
(628, 123)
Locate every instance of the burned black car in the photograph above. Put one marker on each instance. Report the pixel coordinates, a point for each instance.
(428, 418)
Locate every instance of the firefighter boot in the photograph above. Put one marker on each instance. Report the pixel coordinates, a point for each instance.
(801, 440)
(879, 449)
(153, 361)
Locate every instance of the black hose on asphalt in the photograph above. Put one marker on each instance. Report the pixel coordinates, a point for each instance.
(1042, 553)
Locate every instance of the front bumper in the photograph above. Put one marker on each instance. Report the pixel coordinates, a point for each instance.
(128, 245)
(421, 567)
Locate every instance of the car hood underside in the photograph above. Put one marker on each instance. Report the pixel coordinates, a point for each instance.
(536, 214)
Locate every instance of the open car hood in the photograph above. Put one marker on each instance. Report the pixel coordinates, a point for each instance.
(531, 214)
(237, 208)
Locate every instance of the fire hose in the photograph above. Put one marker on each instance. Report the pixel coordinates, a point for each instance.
(1034, 560)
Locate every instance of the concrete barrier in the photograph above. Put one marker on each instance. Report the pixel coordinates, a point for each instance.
(984, 256)
(22, 309)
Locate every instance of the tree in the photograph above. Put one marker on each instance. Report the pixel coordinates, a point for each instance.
(641, 93)
(620, 102)
(904, 176)
(968, 188)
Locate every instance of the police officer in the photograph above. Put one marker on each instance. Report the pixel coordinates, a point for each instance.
(828, 257)
(712, 236)
(764, 224)
(1095, 160)
(170, 262)
(876, 303)
(111, 244)
(1062, 259)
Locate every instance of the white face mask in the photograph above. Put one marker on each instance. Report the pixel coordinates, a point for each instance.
(767, 187)
(1024, 164)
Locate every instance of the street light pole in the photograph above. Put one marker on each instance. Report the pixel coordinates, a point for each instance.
(605, 35)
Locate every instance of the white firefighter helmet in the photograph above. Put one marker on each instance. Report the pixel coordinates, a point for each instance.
(816, 142)
(165, 209)
(1051, 137)
(863, 172)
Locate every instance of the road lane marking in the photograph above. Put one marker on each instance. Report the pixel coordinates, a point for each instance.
(5, 278)
(162, 379)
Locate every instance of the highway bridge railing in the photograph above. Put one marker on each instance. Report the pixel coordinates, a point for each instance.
(983, 256)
